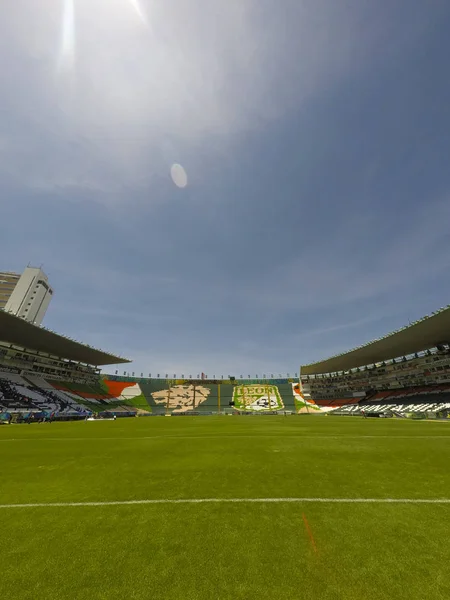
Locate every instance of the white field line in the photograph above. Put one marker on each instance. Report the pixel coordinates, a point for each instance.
(118, 438)
(233, 501)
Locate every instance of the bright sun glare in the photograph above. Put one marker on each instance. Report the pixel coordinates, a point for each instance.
(137, 7)
(67, 50)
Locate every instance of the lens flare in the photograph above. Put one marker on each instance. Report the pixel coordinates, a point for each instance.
(179, 176)
(67, 50)
(135, 4)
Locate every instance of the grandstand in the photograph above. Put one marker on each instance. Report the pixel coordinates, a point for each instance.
(43, 374)
(405, 372)
(205, 397)
(343, 498)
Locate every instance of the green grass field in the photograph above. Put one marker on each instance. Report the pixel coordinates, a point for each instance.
(286, 550)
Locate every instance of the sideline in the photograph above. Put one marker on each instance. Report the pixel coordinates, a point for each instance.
(232, 501)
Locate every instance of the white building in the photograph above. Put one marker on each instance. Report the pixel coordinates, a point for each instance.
(27, 295)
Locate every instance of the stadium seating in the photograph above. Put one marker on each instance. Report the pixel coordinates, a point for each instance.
(287, 396)
(410, 393)
(205, 400)
(336, 402)
(94, 397)
(32, 393)
(19, 394)
(429, 370)
(434, 399)
(10, 399)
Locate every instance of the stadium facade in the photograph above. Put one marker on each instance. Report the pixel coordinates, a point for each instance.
(408, 369)
(43, 373)
(404, 373)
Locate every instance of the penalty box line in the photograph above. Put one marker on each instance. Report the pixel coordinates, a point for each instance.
(232, 501)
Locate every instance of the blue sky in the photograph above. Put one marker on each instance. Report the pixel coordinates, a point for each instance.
(315, 136)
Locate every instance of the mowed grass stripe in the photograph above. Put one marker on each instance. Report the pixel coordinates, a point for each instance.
(212, 508)
(223, 436)
(238, 458)
(232, 501)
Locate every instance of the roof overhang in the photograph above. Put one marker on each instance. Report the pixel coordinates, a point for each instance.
(17, 331)
(421, 335)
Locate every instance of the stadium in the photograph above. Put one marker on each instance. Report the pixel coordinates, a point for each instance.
(223, 206)
(314, 500)
(404, 374)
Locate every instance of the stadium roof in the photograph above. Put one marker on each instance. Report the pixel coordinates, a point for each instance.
(421, 335)
(15, 330)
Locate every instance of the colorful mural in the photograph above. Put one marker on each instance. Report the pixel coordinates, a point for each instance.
(181, 398)
(178, 396)
(304, 405)
(257, 398)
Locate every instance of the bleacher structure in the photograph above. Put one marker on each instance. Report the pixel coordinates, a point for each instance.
(404, 373)
(206, 397)
(425, 401)
(21, 394)
(34, 365)
(45, 374)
